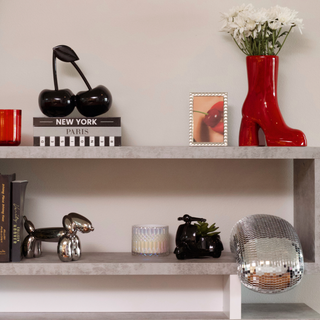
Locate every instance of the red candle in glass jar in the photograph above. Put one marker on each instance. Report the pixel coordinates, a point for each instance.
(10, 127)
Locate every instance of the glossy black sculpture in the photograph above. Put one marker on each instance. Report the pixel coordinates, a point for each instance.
(60, 103)
(190, 244)
(68, 242)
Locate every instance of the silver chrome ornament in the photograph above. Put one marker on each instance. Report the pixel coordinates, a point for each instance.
(68, 248)
(268, 252)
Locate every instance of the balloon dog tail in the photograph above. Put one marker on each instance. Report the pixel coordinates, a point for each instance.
(28, 225)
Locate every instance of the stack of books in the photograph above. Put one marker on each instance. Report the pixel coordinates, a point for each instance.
(11, 217)
(77, 132)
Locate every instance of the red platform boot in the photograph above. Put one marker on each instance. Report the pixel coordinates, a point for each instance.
(261, 110)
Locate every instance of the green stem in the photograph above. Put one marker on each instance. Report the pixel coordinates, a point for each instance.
(245, 52)
(279, 31)
(260, 40)
(247, 46)
(264, 38)
(273, 42)
(275, 36)
(201, 112)
(284, 40)
(254, 46)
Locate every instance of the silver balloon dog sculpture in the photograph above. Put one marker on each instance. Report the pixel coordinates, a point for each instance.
(68, 241)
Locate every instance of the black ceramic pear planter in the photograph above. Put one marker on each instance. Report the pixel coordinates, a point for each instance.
(189, 244)
(60, 103)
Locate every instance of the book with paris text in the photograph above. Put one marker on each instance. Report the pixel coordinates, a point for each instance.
(18, 200)
(77, 132)
(5, 215)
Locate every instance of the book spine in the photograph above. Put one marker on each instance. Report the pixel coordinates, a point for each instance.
(77, 122)
(76, 141)
(18, 199)
(5, 216)
(77, 131)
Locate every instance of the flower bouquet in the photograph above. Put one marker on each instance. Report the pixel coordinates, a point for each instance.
(260, 32)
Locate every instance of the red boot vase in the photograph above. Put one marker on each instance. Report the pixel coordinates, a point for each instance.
(261, 110)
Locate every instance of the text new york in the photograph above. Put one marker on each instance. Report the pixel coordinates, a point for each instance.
(70, 122)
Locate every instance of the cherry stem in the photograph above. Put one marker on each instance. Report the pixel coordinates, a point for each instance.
(201, 112)
(55, 79)
(82, 75)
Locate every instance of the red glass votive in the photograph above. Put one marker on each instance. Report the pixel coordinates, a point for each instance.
(10, 127)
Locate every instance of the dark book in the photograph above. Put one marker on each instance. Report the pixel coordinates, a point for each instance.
(5, 215)
(77, 122)
(18, 199)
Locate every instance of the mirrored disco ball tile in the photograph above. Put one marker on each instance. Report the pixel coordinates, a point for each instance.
(268, 252)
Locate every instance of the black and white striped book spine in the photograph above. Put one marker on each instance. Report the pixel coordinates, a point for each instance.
(76, 141)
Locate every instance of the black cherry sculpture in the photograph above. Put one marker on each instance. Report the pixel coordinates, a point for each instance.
(60, 103)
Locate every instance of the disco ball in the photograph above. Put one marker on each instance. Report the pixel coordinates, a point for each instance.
(268, 252)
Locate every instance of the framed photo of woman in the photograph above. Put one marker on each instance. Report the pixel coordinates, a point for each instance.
(208, 119)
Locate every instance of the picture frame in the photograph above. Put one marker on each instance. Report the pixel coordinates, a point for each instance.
(208, 129)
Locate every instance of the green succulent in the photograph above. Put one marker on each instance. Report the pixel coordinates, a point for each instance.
(203, 230)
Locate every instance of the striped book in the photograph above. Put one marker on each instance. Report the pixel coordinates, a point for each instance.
(77, 132)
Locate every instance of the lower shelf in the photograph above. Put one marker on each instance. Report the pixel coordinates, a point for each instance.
(249, 311)
(115, 316)
(122, 263)
(278, 311)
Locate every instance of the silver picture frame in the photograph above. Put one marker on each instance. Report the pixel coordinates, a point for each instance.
(208, 129)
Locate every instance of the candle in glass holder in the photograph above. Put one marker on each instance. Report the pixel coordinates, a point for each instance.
(10, 127)
(150, 240)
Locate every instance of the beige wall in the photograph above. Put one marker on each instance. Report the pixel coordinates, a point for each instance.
(151, 54)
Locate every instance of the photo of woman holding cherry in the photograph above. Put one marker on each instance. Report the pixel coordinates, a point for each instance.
(208, 125)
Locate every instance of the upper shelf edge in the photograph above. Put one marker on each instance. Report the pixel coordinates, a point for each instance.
(171, 152)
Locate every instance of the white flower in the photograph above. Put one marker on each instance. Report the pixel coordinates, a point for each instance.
(260, 16)
(261, 27)
(299, 24)
(250, 24)
(233, 12)
(239, 23)
(274, 24)
(235, 20)
(282, 16)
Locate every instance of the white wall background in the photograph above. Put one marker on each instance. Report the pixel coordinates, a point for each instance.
(150, 54)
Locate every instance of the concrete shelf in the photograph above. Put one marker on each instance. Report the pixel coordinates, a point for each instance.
(101, 263)
(159, 152)
(250, 311)
(124, 263)
(306, 190)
